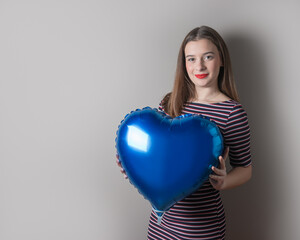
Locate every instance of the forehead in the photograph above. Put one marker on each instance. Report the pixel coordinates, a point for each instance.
(201, 46)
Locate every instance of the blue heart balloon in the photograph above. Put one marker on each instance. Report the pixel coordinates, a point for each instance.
(166, 158)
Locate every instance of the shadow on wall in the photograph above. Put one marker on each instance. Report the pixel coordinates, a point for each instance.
(251, 208)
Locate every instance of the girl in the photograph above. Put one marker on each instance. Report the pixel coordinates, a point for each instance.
(204, 85)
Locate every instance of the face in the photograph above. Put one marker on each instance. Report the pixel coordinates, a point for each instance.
(203, 62)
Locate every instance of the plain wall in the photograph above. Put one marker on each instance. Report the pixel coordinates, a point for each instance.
(71, 70)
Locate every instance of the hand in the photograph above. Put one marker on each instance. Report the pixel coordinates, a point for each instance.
(120, 165)
(217, 179)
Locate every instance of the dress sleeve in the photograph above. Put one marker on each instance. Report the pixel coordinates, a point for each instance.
(237, 137)
(160, 106)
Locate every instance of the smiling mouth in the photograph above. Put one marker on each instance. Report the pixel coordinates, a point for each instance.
(200, 76)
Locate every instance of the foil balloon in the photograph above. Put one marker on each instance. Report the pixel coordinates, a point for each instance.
(166, 158)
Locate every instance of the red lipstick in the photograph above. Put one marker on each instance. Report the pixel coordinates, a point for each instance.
(200, 76)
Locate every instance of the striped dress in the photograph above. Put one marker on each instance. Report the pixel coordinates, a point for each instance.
(201, 215)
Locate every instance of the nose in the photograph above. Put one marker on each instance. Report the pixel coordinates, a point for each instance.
(200, 65)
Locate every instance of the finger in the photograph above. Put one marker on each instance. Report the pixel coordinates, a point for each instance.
(213, 182)
(225, 154)
(222, 163)
(117, 156)
(220, 172)
(216, 177)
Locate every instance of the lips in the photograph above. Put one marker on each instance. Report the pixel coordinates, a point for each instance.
(200, 76)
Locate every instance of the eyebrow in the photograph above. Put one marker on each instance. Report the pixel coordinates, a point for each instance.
(202, 54)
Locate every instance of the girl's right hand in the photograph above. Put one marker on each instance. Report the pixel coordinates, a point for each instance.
(120, 165)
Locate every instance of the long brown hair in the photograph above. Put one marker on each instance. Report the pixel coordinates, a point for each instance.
(184, 88)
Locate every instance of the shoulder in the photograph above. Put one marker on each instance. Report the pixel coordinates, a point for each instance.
(236, 109)
(237, 117)
(163, 105)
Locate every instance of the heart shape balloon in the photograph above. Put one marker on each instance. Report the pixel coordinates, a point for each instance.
(166, 158)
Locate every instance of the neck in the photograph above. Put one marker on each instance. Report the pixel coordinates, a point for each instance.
(207, 95)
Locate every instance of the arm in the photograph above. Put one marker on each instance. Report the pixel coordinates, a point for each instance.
(237, 137)
(222, 180)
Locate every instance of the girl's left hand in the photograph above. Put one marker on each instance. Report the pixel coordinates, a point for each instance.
(217, 179)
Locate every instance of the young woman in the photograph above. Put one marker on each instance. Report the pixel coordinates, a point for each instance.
(204, 85)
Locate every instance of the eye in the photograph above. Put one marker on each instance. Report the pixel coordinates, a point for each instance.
(191, 59)
(208, 57)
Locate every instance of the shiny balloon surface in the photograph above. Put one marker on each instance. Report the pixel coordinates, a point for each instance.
(167, 158)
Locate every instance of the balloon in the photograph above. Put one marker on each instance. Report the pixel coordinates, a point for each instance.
(166, 158)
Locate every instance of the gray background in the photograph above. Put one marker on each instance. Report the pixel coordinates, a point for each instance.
(71, 70)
